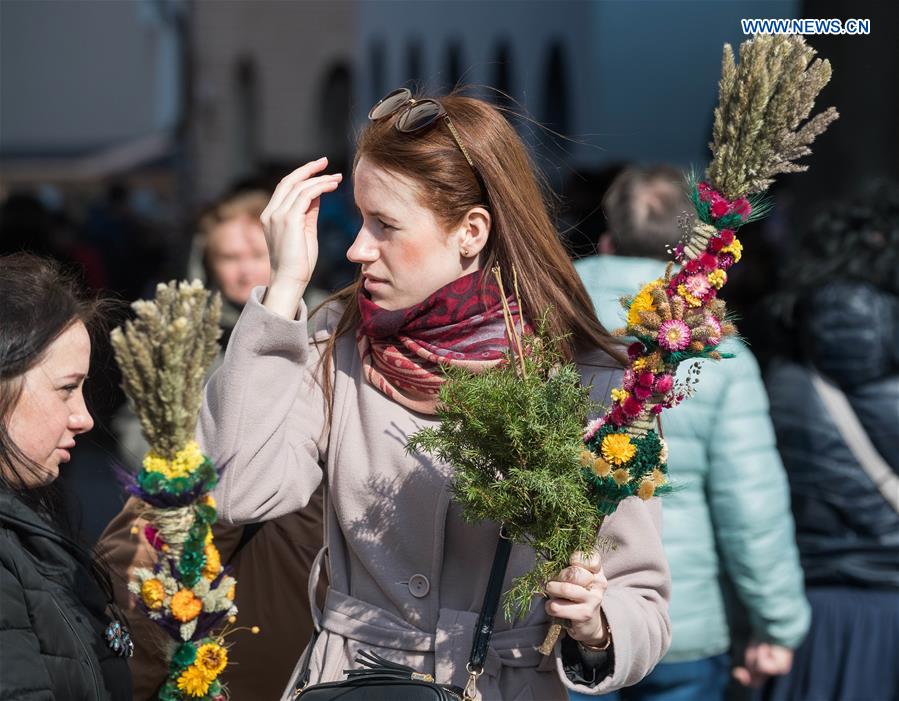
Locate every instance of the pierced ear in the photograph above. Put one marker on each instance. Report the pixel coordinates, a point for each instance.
(475, 232)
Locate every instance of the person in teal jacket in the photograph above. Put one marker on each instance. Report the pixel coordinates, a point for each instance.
(728, 530)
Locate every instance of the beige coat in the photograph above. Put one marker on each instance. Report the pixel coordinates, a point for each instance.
(407, 574)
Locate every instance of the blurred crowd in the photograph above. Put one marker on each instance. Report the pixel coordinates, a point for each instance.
(783, 537)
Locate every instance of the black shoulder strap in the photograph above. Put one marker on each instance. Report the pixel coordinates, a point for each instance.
(484, 630)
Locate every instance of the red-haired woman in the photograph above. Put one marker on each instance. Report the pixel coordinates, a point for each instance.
(446, 191)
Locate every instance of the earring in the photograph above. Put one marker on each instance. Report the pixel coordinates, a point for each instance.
(465, 253)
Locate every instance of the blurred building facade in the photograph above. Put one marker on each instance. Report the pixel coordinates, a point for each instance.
(89, 89)
(270, 84)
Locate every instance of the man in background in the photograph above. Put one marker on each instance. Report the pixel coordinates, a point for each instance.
(727, 528)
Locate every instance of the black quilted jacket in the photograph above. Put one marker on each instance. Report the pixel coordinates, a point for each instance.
(847, 532)
(52, 616)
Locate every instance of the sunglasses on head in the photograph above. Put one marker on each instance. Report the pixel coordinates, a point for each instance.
(415, 115)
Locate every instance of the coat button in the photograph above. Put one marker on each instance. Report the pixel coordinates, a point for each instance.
(419, 586)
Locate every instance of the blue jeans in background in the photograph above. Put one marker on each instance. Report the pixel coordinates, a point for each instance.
(699, 680)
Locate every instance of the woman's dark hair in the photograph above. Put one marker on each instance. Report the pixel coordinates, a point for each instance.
(40, 301)
(853, 240)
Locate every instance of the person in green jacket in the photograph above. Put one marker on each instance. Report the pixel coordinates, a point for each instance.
(728, 530)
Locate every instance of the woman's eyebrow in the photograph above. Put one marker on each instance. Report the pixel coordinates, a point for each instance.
(378, 215)
(78, 376)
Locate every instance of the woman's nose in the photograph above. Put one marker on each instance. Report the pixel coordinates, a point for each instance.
(81, 421)
(363, 249)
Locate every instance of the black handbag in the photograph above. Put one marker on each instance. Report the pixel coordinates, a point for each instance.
(379, 679)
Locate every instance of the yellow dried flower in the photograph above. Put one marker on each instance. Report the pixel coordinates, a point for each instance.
(619, 395)
(186, 460)
(194, 682)
(717, 278)
(601, 467)
(212, 659)
(639, 364)
(213, 562)
(646, 489)
(587, 458)
(617, 448)
(688, 298)
(152, 592)
(658, 478)
(735, 248)
(186, 606)
(621, 476)
(232, 592)
(642, 302)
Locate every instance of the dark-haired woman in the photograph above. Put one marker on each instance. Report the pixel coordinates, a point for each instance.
(835, 406)
(56, 639)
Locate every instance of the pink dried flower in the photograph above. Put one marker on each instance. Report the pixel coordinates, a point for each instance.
(632, 407)
(642, 393)
(646, 379)
(698, 285)
(664, 383)
(742, 207)
(635, 350)
(593, 427)
(674, 335)
(711, 321)
(725, 261)
(705, 191)
(720, 206)
(153, 537)
(656, 409)
(727, 236)
(708, 262)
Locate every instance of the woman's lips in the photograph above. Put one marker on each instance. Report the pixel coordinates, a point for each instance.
(66, 456)
(372, 282)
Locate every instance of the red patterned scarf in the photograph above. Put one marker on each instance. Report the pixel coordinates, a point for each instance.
(459, 325)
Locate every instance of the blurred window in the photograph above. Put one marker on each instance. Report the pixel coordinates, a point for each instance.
(334, 115)
(556, 110)
(376, 66)
(502, 74)
(453, 64)
(246, 97)
(414, 61)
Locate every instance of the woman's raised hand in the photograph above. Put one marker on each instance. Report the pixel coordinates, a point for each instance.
(290, 222)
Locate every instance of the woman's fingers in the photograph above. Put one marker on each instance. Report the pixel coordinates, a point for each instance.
(288, 181)
(566, 591)
(575, 613)
(576, 575)
(292, 234)
(287, 209)
(589, 561)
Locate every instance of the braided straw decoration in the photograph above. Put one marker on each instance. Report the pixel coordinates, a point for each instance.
(699, 239)
(173, 525)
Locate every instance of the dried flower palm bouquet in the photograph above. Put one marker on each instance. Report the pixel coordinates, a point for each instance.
(163, 354)
(525, 453)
